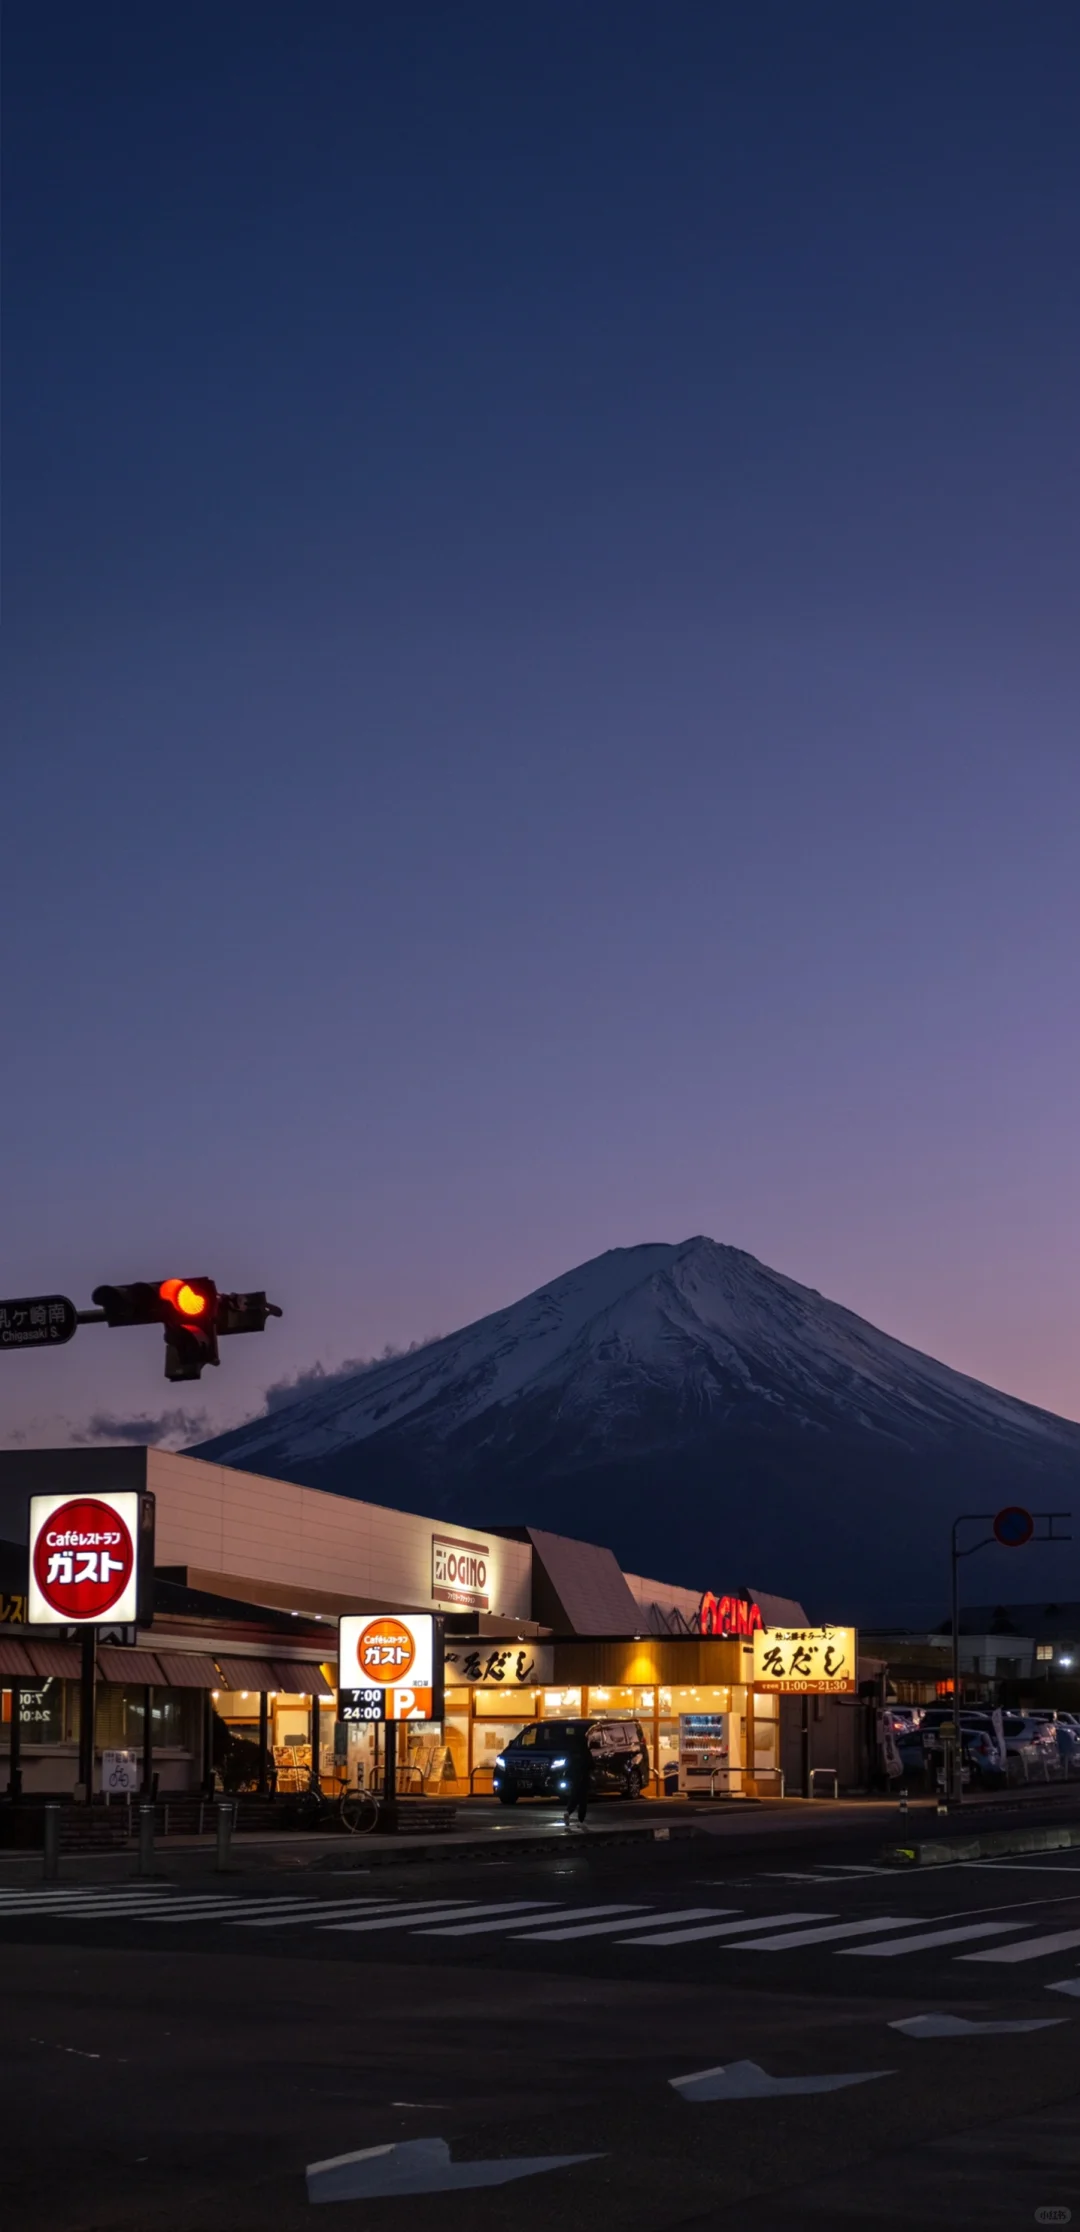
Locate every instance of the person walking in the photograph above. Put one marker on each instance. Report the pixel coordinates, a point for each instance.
(577, 1781)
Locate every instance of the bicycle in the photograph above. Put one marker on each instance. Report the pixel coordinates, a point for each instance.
(354, 1810)
(359, 1810)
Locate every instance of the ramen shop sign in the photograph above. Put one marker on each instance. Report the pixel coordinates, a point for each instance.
(88, 1559)
(390, 1667)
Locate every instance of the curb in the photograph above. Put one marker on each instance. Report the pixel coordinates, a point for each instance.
(368, 1852)
(945, 1850)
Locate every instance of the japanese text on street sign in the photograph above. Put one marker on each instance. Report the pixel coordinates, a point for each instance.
(803, 1659)
(37, 1321)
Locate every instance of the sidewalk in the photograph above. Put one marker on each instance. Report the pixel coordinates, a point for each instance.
(741, 1826)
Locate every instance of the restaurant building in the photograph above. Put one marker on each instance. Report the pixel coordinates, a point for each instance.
(250, 1577)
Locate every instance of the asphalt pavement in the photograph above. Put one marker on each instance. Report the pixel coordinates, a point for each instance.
(687, 2029)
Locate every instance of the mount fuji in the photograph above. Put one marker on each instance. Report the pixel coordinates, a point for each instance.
(707, 1418)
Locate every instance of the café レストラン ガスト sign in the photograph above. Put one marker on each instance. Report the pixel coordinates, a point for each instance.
(795, 1661)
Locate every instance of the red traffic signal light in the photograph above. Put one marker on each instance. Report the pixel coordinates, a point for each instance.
(189, 1310)
(191, 1299)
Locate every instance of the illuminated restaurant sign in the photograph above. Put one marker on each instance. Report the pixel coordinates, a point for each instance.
(803, 1660)
(728, 1615)
(91, 1559)
(390, 1667)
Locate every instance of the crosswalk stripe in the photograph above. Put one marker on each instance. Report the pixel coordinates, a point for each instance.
(822, 1937)
(439, 1911)
(158, 1902)
(722, 1929)
(29, 1903)
(602, 1929)
(1029, 1949)
(521, 1922)
(157, 1910)
(314, 1910)
(894, 1946)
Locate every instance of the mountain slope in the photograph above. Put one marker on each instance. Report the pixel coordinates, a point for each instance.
(703, 1414)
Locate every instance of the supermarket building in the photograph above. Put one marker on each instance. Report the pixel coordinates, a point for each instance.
(251, 1574)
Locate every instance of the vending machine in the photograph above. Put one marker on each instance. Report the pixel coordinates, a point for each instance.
(709, 1754)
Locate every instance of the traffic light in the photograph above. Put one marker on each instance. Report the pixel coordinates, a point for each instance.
(244, 1313)
(190, 1318)
(188, 1310)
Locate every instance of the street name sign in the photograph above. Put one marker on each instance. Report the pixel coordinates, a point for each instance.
(37, 1321)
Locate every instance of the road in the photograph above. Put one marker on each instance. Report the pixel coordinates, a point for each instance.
(176, 2054)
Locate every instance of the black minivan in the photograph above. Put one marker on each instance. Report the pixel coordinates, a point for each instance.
(536, 1761)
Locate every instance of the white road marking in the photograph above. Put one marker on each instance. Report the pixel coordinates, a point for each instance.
(958, 2026)
(314, 1910)
(515, 1922)
(823, 1937)
(1030, 1949)
(1070, 1984)
(440, 1910)
(927, 1938)
(420, 2166)
(641, 1922)
(1025, 1867)
(746, 2080)
(720, 1929)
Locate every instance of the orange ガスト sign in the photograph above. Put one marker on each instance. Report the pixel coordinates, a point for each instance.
(390, 1666)
(385, 1651)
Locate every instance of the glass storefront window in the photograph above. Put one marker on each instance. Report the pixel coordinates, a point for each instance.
(560, 1702)
(118, 1718)
(496, 1704)
(41, 1714)
(615, 1701)
(489, 1739)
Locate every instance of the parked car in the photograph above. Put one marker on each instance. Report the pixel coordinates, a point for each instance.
(535, 1763)
(1068, 1744)
(1034, 1746)
(982, 1762)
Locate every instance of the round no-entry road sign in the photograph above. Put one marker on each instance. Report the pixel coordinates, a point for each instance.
(1013, 1527)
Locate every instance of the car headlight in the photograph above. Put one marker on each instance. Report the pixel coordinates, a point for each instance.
(558, 1762)
(501, 1760)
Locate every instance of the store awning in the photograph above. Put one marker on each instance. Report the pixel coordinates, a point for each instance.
(15, 1662)
(247, 1674)
(138, 1667)
(61, 1662)
(188, 1670)
(304, 1677)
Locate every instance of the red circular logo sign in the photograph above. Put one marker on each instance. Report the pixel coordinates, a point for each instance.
(385, 1650)
(83, 1559)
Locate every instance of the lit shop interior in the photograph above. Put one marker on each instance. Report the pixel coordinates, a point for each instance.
(718, 1737)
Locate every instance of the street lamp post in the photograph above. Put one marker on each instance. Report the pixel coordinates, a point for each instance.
(1012, 1528)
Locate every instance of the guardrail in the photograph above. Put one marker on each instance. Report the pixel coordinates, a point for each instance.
(833, 1771)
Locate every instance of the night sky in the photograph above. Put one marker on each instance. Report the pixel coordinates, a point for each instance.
(543, 699)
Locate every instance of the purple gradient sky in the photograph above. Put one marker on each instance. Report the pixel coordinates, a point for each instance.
(542, 673)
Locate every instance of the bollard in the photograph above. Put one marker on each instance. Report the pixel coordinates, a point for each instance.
(903, 1805)
(51, 1843)
(224, 1834)
(146, 1840)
